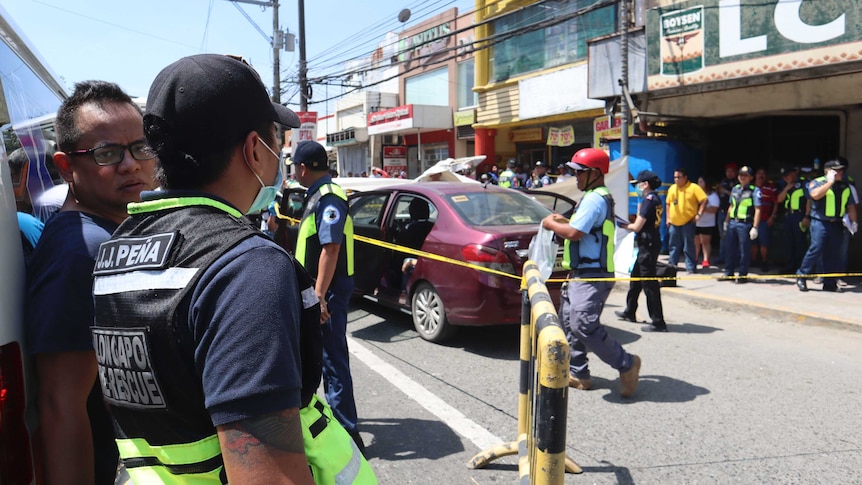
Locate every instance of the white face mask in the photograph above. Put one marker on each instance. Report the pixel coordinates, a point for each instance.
(267, 193)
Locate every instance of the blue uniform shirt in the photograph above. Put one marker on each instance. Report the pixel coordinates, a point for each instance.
(331, 214)
(590, 214)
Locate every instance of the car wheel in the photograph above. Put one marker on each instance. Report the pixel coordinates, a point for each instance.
(429, 315)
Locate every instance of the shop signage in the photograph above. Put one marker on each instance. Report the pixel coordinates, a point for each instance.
(465, 118)
(424, 44)
(390, 115)
(307, 130)
(561, 136)
(699, 41)
(603, 130)
(394, 160)
(527, 135)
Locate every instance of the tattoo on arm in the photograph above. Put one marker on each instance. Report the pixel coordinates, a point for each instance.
(280, 430)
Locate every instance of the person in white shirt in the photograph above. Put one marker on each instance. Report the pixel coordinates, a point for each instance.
(706, 223)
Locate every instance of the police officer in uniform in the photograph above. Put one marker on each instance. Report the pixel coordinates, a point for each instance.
(793, 198)
(588, 253)
(205, 383)
(646, 225)
(325, 247)
(740, 225)
(507, 177)
(831, 197)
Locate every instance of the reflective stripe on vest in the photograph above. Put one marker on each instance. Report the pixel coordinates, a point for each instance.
(185, 464)
(308, 227)
(794, 197)
(331, 453)
(605, 235)
(831, 206)
(506, 178)
(741, 202)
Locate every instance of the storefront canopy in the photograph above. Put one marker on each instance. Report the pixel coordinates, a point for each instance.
(410, 119)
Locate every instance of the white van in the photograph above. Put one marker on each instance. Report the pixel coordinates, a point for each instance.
(29, 98)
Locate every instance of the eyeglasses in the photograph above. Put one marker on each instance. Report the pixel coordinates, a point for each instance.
(112, 154)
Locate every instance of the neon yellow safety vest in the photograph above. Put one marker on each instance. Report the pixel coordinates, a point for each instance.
(308, 245)
(604, 234)
(833, 205)
(506, 179)
(741, 201)
(795, 196)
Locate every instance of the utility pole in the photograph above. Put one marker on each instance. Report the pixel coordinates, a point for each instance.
(303, 69)
(624, 78)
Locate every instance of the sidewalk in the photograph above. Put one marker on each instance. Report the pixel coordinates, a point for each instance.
(768, 295)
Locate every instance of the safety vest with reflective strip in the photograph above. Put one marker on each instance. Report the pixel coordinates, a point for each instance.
(795, 196)
(604, 234)
(834, 204)
(507, 179)
(741, 200)
(308, 247)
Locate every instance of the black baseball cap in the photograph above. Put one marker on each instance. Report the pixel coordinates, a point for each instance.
(311, 154)
(644, 176)
(746, 170)
(207, 97)
(834, 165)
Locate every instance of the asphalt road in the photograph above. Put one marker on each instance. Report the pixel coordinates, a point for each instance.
(725, 397)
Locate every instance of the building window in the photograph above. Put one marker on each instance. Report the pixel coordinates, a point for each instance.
(466, 79)
(431, 88)
(559, 44)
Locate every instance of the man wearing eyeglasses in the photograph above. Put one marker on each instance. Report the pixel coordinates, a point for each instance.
(106, 162)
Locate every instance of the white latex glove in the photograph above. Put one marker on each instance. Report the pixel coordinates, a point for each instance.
(830, 176)
(853, 228)
(726, 226)
(752, 234)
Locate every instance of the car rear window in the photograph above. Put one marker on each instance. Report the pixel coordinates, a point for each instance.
(492, 208)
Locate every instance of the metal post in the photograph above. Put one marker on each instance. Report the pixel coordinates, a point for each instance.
(303, 73)
(276, 50)
(624, 79)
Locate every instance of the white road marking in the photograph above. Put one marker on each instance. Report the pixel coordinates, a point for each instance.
(481, 437)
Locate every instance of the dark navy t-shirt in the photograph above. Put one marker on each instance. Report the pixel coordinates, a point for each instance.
(244, 316)
(651, 210)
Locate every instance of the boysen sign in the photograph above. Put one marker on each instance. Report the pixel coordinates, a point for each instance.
(700, 41)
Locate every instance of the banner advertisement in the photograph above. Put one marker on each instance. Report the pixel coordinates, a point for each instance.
(307, 130)
(394, 160)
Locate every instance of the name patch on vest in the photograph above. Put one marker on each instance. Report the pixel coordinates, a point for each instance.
(125, 371)
(134, 253)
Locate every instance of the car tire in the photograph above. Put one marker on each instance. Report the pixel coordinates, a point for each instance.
(429, 314)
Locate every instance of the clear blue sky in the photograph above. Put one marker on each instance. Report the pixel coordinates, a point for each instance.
(129, 42)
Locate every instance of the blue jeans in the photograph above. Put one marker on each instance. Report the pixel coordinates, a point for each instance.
(738, 248)
(682, 238)
(337, 381)
(581, 305)
(826, 240)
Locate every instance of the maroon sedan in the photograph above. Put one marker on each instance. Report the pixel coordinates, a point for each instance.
(486, 226)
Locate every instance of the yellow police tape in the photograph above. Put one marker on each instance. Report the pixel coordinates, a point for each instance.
(437, 257)
(444, 259)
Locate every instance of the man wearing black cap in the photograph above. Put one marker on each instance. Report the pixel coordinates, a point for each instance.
(325, 248)
(646, 225)
(540, 176)
(203, 381)
(792, 197)
(740, 225)
(831, 198)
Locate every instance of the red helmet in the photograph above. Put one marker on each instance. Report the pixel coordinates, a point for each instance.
(591, 158)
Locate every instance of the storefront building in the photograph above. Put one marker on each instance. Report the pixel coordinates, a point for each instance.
(351, 138)
(531, 78)
(435, 86)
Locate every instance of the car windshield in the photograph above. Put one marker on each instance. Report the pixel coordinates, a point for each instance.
(497, 208)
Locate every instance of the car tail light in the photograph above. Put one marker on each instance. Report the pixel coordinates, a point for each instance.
(16, 462)
(488, 258)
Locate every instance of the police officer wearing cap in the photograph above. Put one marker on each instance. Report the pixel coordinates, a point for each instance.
(206, 384)
(589, 254)
(508, 177)
(831, 198)
(325, 247)
(540, 176)
(648, 239)
(740, 225)
(792, 196)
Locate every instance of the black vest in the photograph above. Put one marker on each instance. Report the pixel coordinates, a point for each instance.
(154, 391)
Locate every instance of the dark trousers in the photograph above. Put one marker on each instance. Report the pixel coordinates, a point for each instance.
(648, 249)
(826, 240)
(738, 250)
(797, 241)
(337, 381)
